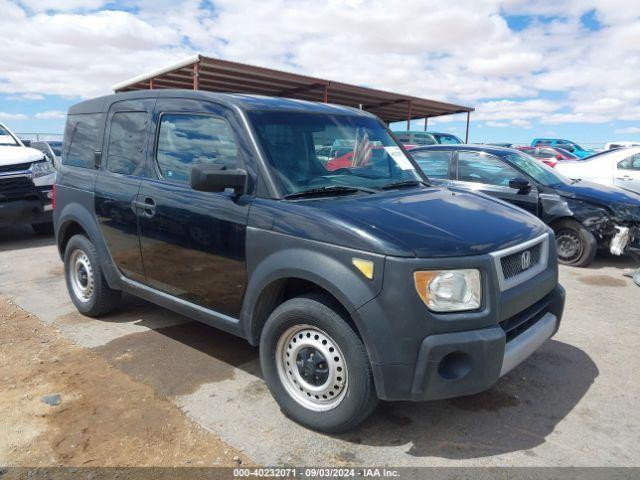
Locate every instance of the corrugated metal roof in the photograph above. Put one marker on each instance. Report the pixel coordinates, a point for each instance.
(211, 74)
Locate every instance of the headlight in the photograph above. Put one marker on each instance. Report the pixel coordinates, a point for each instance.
(449, 290)
(42, 168)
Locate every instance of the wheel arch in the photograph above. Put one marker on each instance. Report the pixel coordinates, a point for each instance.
(289, 273)
(76, 219)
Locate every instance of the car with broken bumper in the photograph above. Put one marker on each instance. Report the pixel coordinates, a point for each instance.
(585, 216)
(360, 283)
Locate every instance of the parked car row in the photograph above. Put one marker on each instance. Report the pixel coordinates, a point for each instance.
(26, 183)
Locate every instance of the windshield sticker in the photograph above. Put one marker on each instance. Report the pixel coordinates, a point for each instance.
(399, 157)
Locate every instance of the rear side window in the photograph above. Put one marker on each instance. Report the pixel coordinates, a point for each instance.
(434, 164)
(185, 140)
(80, 140)
(127, 142)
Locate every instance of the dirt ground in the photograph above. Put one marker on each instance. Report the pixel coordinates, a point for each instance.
(104, 418)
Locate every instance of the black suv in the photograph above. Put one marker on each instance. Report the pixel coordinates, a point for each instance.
(358, 280)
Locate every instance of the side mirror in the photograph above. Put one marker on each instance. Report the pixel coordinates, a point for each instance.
(216, 178)
(523, 186)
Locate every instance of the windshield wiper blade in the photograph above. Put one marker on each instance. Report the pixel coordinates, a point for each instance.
(404, 183)
(328, 191)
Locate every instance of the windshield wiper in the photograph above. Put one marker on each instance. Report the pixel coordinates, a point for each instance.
(328, 191)
(404, 183)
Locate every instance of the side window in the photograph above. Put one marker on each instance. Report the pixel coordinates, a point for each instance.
(630, 163)
(404, 137)
(185, 140)
(127, 142)
(434, 164)
(543, 142)
(479, 168)
(80, 139)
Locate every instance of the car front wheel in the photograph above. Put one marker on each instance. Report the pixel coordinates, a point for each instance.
(575, 244)
(316, 366)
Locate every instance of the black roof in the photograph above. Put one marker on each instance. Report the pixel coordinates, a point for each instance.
(242, 101)
(492, 149)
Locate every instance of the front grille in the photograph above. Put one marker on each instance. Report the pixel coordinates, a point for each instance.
(17, 188)
(521, 322)
(21, 167)
(520, 262)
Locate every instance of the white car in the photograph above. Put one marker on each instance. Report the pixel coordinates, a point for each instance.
(26, 183)
(620, 168)
(615, 145)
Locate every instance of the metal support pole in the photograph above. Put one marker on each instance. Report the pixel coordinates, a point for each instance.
(196, 75)
(409, 116)
(326, 93)
(426, 123)
(151, 83)
(466, 138)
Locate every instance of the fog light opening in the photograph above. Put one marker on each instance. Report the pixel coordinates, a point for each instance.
(454, 365)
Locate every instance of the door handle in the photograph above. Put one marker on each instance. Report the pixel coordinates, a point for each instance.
(624, 178)
(148, 206)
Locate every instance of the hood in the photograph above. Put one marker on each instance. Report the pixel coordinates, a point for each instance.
(10, 155)
(425, 222)
(622, 203)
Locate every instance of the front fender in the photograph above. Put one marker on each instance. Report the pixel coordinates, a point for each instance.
(272, 257)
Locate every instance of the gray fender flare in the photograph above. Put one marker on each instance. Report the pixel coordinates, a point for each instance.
(76, 213)
(331, 270)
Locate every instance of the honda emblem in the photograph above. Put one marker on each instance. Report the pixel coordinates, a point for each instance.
(525, 259)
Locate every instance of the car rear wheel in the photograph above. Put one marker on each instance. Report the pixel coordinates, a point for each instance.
(575, 244)
(86, 284)
(316, 366)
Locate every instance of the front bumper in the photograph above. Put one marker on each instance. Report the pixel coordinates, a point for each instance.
(25, 212)
(420, 355)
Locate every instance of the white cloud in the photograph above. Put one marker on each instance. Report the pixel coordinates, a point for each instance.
(8, 117)
(51, 114)
(459, 51)
(630, 130)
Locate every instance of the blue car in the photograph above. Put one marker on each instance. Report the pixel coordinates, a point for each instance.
(568, 145)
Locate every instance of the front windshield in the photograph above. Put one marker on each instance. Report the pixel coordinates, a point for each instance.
(446, 139)
(314, 151)
(536, 169)
(6, 138)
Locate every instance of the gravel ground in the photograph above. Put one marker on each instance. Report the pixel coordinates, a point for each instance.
(572, 403)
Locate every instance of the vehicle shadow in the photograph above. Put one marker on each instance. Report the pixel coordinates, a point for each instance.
(604, 259)
(21, 237)
(516, 414)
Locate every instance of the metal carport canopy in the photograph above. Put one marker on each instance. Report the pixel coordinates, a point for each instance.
(212, 74)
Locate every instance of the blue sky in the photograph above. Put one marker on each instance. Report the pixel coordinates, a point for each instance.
(565, 68)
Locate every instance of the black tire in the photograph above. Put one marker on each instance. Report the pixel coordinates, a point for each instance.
(101, 299)
(358, 400)
(575, 244)
(43, 228)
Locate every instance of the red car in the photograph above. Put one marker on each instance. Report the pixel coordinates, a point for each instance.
(549, 155)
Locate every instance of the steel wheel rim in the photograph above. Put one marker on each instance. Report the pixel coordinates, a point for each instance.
(569, 245)
(297, 369)
(81, 275)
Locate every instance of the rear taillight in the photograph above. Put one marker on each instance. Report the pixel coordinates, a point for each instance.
(53, 196)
